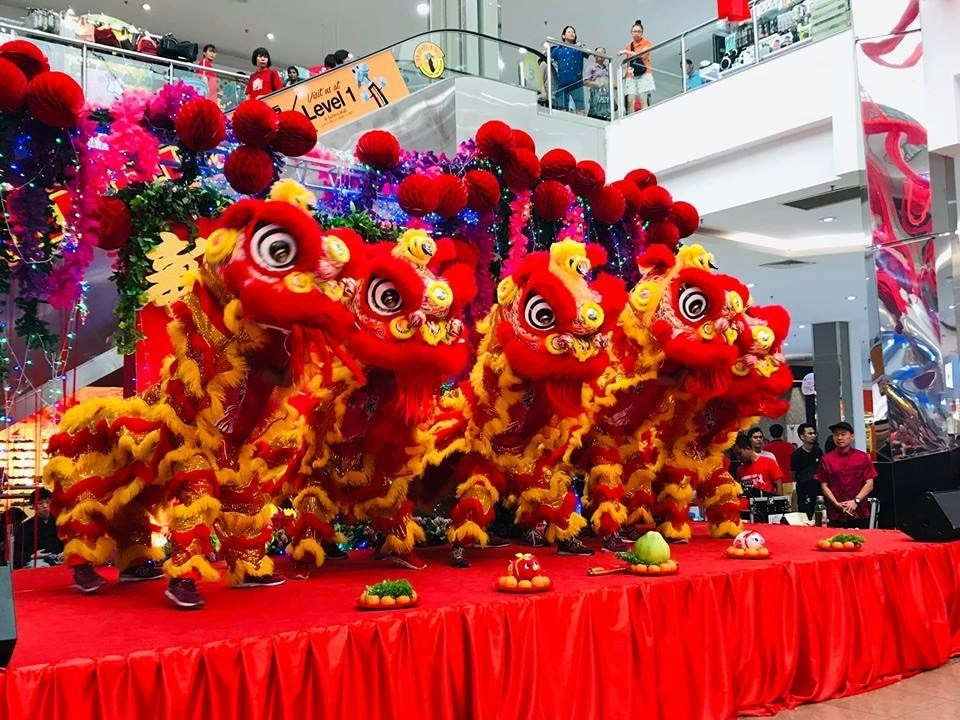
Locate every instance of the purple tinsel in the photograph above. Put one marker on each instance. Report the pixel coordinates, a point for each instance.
(161, 112)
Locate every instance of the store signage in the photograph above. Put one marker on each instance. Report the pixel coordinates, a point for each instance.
(428, 59)
(345, 94)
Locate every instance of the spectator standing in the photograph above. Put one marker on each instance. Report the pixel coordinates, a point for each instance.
(803, 465)
(782, 451)
(206, 60)
(342, 56)
(846, 479)
(638, 84)
(757, 441)
(569, 59)
(759, 475)
(693, 75)
(597, 79)
(293, 76)
(265, 80)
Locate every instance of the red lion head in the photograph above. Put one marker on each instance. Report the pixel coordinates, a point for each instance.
(761, 374)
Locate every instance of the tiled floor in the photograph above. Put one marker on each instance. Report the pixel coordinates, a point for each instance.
(933, 695)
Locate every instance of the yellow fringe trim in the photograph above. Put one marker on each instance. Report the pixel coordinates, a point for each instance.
(479, 484)
(205, 508)
(96, 555)
(680, 494)
(671, 534)
(308, 546)
(726, 529)
(554, 534)
(616, 510)
(240, 523)
(87, 509)
(393, 544)
(728, 492)
(640, 516)
(243, 569)
(134, 554)
(468, 532)
(198, 563)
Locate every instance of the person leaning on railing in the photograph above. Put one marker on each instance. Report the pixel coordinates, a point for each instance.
(568, 58)
(638, 84)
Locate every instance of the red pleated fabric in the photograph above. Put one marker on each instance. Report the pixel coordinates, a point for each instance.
(722, 638)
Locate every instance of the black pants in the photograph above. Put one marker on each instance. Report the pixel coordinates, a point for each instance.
(807, 497)
(852, 523)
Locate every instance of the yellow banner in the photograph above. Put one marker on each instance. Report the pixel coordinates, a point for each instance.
(345, 94)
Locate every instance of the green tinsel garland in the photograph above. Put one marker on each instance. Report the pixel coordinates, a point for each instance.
(154, 208)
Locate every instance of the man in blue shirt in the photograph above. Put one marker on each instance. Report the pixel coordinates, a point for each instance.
(693, 76)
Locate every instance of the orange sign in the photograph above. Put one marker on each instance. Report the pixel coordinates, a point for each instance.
(347, 93)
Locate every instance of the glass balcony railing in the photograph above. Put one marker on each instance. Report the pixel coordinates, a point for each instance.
(105, 72)
(700, 56)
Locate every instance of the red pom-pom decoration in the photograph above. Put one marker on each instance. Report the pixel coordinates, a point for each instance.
(13, 87)
(201, 125)
(26, 56)
(608, 205)
(451, 195)
(662, 232)
(641, 178)
(557, 165)
(630, 192)
(495, 141)
(417, 195)
(655, 203)
(249, 170)
(378, 149)
(587, 178)
(55, 99)
(113, 219)
(296, 135)
(522, 139)
(483, 190)
(523, 171)
(685, 217)
(255, 123)
(551, 200)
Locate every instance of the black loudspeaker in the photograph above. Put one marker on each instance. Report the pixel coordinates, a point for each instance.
(8, 621)
(935, 517)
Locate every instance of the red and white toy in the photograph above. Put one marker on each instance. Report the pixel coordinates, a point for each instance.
(524, 574)
(748, 545)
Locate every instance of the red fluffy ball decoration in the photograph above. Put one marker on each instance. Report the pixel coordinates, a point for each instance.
(255, 123)
(523, 171)
(588, 178)
(495, 141)
(641, 178)
(417, 195)
(249, 170)
(655, 203)
(201, 125)
(551, 200)
(296, 135)
(557, 165)
(522, 139)
(451, 195)
(608, 205)
(685, 217)
(378, 149)
(114, 223)
(13, 87)
(662, 232)
(483, 190)
(55, 99)
(26, 56)
(630, 192)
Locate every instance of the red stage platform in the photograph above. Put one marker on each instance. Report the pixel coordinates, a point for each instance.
(724, 637)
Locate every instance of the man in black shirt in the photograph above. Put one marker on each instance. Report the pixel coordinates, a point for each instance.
(38, 535)
(803, 464)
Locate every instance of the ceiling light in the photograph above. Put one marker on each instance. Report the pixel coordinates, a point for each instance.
(801, 327)
(786, 344)
(423, 9)
(271, 37)
(828, 219)
(750, 285)
(146, 6)
(851, 297)
(950, 307)
(521, 51)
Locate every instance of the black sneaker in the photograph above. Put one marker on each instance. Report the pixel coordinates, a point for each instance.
(458, 558)
(184, 594)
(86, 579)
(495, 541)
(262, 581)
(613, 543)
(631, 533)
(534, 538)
(141, 573)
(573, 546)
(333, 552)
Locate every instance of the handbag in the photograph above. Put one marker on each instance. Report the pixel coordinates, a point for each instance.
(147, 45)
(637, 64)
(173, 49)
(106, 36)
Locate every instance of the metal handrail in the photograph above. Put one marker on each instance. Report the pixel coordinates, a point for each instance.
(87, 46)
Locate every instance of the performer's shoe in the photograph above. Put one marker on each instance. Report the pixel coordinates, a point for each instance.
(534, 538)
(141, 573)
(630, 533)
(410, 560)
(613, 543)
(303, 570)
(86, 579)
(458, 558)
(184, 594)
(333, 552)
(262, 581)
(573, 546)
(495, 541)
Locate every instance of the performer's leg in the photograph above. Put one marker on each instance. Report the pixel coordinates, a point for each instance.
(132, 529)
(313, 531)
(479, 485)
(721, 501)
(551, 499)
(674, 489)
(191, 521)
(244, 529)
(604, 493)
(401, 532)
